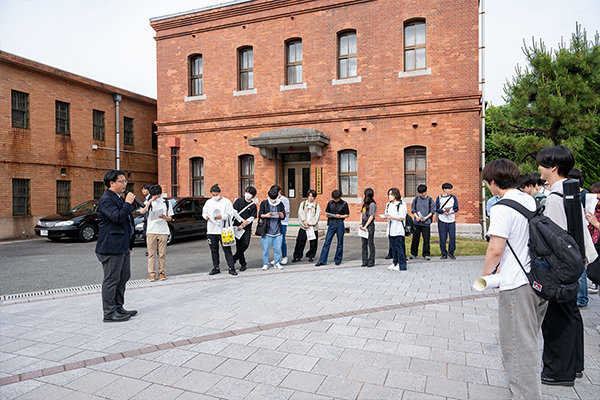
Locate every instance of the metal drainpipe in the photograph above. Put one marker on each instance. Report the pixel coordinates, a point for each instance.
(482, 48)
(117, 98)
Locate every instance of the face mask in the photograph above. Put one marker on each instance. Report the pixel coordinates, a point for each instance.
(248, 196)
(217, 197)
(273, 201)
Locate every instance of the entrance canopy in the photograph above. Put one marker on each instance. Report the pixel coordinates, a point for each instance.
(300, 139)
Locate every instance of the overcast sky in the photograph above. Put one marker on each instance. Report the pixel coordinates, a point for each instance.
(111, 40)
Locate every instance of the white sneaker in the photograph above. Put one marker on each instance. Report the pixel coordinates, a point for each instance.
(265, 267)
(284, 260)
(593, 288)
(391, 266)
(395, 267)
(278, 266)
(272, 262)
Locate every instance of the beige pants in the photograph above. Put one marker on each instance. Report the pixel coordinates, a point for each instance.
(156, 242)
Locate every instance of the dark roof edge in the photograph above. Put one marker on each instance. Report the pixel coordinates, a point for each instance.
(197, 10)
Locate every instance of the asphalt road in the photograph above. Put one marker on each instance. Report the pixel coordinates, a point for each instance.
(38, 264)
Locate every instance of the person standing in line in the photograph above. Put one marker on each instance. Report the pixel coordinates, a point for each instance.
(337, 211)
(218, 211)
(114, 245)
(309, 213)
(146, 192)
(158, 212)
(395, 213)
(593, 219)
(367, 224)
(520, 309)
(423, 209)
(245, 211)
(272, 211)
(447, 206)
(284, 225)
(562, 327)
(575, 173)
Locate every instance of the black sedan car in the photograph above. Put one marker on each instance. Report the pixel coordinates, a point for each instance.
(81, 222)
(187, 219)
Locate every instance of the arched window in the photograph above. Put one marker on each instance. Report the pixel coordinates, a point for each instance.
(414, 45)
(246, 172)
(197, 176)
(415, 169)
(196, 86)
(245, 68)
(293, 62)
(347, 66)
(348, 176)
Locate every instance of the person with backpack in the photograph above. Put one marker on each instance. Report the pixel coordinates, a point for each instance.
(309, 212)
(562, 327)
(446, 206)
(423, 209)
(244, 213)
(158, 211)
(520, 310)
(272, 212)
(396, 213)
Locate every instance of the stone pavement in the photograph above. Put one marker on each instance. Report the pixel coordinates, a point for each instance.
(302, 333)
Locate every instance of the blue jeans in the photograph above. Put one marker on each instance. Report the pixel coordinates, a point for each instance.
(445, 230)
(283, 243)
(335, 228)
(271, 241)
(398, 251)
(582, 295)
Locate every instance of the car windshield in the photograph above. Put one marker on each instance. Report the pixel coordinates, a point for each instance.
(89, 205)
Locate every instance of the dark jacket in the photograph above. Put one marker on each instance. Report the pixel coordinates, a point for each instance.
(265, 209)
(115, 225)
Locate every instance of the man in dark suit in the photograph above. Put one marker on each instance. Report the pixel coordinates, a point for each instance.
(115, 242)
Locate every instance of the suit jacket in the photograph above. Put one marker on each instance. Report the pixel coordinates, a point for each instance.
(115, 224)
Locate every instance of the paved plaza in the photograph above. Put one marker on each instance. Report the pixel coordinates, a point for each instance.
(302, 333)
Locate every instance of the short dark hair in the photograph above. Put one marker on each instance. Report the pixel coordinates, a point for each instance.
(313, 192)
(146, 186)
(595, 188)
(557, 156)
(276, 187)
(336, 194)
(575, 173)
(155, 189)
(503, 172)
(421, 188)
(111, 176)
(538, 179)
(395, 193)
(273, 193)
(526, 180)
(447, 186)
(251, 190)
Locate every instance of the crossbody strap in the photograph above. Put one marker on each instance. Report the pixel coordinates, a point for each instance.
(446, 202)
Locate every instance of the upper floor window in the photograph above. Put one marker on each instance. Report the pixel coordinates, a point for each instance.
(415, 169)
(246, 68)
(347, 66)
(348, 173)
(21, 197)
(62, 118)
(20, 109)
(98, 124)
(128, 131)
(196, 73)
(414, 46)
(197, 169)
(246, 172)
(293, 62)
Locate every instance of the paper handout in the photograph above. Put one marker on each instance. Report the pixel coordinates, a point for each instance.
(487, 282)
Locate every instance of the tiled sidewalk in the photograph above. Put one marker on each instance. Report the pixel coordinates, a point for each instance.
(303, 333)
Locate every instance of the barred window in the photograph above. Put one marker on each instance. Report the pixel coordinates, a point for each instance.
(415, 169)
(62, 118)
(174, 162)
(348, 173)
(197, 176)
(20, 197)
(63, 196)
(246, 172)
(130, 187)
(99, 189)
(128, 131)
(294, 62)
(98, 124)
(20, 109)
(246, 68)
(414, 46)
(347, 65)
(196, 76)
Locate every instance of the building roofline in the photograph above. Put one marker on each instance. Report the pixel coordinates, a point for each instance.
(197, 10)
(62, 74)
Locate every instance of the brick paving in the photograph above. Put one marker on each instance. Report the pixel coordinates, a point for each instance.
(302, 333)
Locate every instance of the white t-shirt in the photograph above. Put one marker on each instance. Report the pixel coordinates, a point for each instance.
(157, 225)
(211, 209)
(286, 206)
(448, 203)
(508, 223)
(395, 227)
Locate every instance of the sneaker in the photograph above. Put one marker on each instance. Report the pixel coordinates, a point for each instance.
(598, 329)
(427, 258)
(215, 271)
(243, 268)
(284, 260)
(272, 262)
(265, 267)
(593, 289)
(444, 257)
(413, 257)
(278, 266)
(388, 257)
(161, 277)
(152, 277)
(582, 307)
(452, 256)
(391, 266)
(394, 267)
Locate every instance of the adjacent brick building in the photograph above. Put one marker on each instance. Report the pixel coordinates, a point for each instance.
(323, 94)
(57, 140)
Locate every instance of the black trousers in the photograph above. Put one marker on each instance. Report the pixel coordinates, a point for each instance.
(368, 247)
(414, 247)
(241, 245)
(563, 341)
(117, 271)
(301, 243)
(213, 243)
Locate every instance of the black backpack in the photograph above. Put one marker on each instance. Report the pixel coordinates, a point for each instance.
(556, 262)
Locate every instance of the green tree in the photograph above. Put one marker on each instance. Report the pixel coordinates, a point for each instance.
(554, 100)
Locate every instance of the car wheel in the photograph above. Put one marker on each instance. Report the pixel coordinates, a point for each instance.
(54, 239)
(87, 233)
(171, 236)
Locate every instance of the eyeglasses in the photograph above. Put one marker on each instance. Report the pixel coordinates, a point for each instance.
(122, 181)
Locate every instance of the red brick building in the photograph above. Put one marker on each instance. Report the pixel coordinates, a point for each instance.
(57, 140)
(323, 94)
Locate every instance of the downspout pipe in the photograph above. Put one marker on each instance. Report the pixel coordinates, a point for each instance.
(117, 98)
(483, 105)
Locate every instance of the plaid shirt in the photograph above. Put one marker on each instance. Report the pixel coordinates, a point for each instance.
(595, 232)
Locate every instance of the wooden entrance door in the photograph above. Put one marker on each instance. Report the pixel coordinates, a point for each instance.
(296, 184)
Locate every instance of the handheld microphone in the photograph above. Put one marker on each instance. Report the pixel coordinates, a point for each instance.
(136, 201)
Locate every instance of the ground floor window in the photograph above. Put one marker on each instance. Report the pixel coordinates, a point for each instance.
(246, 172)
(348, 176)
(415, 169)
(20, 195)
(63, 196)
